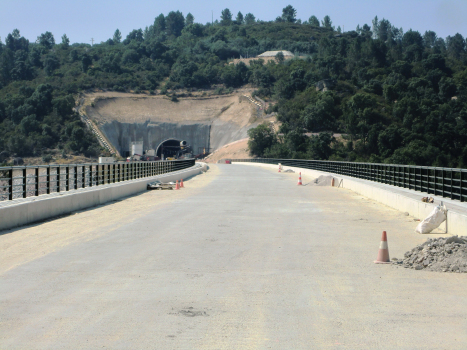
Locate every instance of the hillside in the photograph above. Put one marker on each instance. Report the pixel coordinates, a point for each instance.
(205, 120)
(234, 150)
(394, 96)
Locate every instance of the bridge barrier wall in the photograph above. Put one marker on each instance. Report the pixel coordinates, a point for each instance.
(30, 210)
(396, 198)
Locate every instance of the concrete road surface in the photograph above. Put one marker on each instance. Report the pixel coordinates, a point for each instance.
(242, 258)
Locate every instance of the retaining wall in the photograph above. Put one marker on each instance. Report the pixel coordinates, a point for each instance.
(27, 211)
(397, 198)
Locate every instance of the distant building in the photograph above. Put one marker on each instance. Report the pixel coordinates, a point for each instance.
(274, 53)
(136, 148)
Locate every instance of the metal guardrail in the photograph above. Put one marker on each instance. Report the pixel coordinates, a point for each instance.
(445, 182)
(28, 181)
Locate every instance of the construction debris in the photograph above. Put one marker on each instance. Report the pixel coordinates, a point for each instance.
(432, 221)
(323, 180)
(428, 200)
(157, 185)
(439, 254)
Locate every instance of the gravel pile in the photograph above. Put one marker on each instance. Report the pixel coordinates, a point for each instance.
(439, 254)
(289, 171)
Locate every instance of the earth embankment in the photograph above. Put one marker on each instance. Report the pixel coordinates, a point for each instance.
(204, 121)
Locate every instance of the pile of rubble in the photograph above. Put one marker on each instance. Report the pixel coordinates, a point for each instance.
(439, 254)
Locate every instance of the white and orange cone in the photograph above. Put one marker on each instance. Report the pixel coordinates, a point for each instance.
(299, 179)
(181, 183)
(280, 167)
(383, 253)
(177, 187)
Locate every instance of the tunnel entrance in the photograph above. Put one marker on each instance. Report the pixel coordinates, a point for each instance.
(168, 148)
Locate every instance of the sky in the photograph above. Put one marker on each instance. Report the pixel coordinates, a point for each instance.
(84, 20)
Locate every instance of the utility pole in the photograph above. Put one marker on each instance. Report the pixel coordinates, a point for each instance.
(212, 16)
(92, 41)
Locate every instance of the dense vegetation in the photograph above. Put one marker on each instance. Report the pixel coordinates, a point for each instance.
(395, 97)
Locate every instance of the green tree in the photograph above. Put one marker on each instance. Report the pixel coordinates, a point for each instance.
(455, 46)
(15, 41)
(320, 146)
(226, 17)
(289, 14)
(175, 23)
(429, 38)
(86, 61)
(327, 23)
(136, 35)
(250, 18)
(51, 63)
(117, 38)
(15, 34)
(313, 21)
(46, 39)
(280, 57)
(189, 19)
(239, 18)
(22, 68)
(321, 115)
(65, 41)
(260, 139)
(159, 24)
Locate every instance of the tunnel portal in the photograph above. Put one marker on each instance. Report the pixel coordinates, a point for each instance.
(168, 148)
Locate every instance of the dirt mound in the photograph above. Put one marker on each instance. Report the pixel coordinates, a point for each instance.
(234, 150)
(440, 254)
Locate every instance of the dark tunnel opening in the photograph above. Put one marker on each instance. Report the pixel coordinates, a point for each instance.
(168, 148)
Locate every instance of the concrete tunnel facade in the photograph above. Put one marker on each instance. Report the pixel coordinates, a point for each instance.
(154, 135)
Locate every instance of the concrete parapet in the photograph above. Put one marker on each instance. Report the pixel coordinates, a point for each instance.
(33, 209)
(402, 199)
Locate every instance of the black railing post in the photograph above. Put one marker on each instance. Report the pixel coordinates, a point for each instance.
(67, 178)
(403, 176)
(90, 176)
(58, 179)
(452, 185)
(36, 175)
(48, 179)
(83, 176)
(460, 186)
(75, 177)
(10, 184)
(25, 183)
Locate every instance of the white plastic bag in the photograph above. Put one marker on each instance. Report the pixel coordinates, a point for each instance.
(432, 221)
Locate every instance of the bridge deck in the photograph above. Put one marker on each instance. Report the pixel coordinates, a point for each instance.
(242, 258)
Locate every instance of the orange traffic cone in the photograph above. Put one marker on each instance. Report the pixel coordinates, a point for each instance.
(177, 187)
(299, 179)
(181, 183)
(279, 167)
(383, 253)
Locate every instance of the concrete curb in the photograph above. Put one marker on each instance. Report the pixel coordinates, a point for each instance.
(30, 210)
(456, 223)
